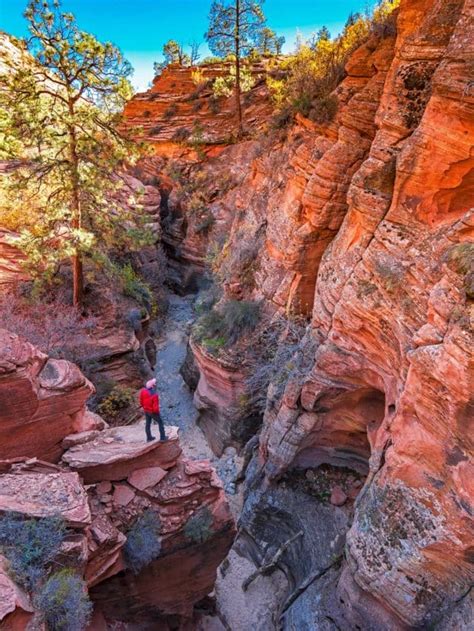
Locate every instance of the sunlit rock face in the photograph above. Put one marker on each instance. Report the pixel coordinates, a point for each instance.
(180, 107)
(392, 376)
(365, 226)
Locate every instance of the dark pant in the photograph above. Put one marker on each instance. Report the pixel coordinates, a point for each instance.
(154, 416)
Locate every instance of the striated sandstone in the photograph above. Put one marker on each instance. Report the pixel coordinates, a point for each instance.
(393, 366)
(175, 103)
(217, 398)
(34, 391)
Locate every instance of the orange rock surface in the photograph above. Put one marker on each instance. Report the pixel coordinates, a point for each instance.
(177, 104)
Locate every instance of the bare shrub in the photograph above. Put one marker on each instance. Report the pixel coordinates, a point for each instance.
(170, 111)
(181, 134)
(57, 329)
(273, 358)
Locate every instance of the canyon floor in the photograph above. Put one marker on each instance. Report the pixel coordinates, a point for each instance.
(177, 402)
(235, 608)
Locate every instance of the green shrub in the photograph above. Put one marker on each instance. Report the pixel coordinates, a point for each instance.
(199, 527)
(239, 316)
(64, 602)
(210, 60)
(304, 81)
(143, 543)
(461, 258)
(227, 323)
(135, 287)
(214, 344)
(30, 546)
(118, 399)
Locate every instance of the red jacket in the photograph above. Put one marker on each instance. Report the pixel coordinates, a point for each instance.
(149, 401)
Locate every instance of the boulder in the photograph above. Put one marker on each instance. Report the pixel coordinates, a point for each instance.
(142, 479)
(37, 392)
(46, 495)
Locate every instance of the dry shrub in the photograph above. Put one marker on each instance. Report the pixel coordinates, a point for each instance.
(57, 329)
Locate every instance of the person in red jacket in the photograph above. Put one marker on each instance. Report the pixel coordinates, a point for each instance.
(150, 402)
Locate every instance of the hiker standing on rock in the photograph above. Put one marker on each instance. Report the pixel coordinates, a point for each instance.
(150, 402)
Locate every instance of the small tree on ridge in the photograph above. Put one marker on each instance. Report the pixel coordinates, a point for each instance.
(234, 28)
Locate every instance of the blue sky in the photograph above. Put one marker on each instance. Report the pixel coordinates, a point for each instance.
(141, 27)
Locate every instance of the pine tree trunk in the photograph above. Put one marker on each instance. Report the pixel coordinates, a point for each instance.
(77, 280)
(238, 103)
(76, 222)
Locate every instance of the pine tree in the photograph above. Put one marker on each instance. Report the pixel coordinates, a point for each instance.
(173, 53)
(60, 121)
(268, 42)
(234, 28)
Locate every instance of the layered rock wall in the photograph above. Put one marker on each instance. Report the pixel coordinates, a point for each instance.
(365, 227)
(180, 115)
(392, 321)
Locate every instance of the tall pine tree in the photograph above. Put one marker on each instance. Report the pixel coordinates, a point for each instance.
(234, 29)
(61, 121)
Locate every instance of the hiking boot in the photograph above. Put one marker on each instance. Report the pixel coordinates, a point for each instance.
(148, 440)
(163, 440)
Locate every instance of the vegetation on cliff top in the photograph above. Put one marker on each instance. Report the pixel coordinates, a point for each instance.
(224, 324)
(234, 29)
(304, 82)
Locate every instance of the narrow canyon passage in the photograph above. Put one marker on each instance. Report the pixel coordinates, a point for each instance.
(176, 399)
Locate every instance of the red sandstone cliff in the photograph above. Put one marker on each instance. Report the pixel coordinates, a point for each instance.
(179, 109)
(365, 227)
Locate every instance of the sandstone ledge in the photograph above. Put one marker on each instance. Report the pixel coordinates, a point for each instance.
(116, 453)
(46, 495)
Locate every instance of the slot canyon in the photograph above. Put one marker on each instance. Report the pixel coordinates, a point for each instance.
(307, 311)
